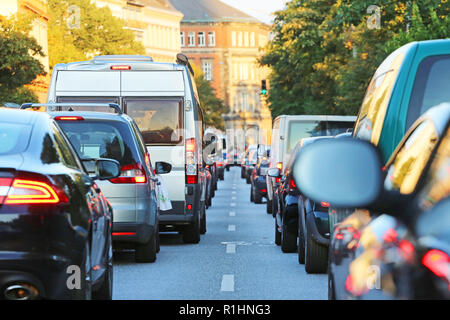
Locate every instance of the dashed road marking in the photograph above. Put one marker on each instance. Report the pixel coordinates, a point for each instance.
(227, 283)
(232, 214)
(231, 248)
(231, 227)
(233, 204)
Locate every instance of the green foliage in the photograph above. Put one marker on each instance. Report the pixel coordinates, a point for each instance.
(324, 53)
(98, 33)
(212, 106)
(18, 63)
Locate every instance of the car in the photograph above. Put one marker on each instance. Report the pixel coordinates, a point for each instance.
(55, 219)
(405, 85)
(133, 195)
(163, 100)
(287, 131)
(258, 189)
(403, 251)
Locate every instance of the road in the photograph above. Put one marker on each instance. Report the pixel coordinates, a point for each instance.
(236, 259)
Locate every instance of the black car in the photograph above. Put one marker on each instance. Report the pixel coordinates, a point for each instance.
(55, 222)
(403, 249)
(258, 189)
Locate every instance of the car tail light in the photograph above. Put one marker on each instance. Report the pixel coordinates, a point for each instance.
(438, 262)
(5, 183)
(133, 173)
(325, 204)
(292, 184)
(33, 192)
(219, 164)
(191, 161)
(69, 118)
(121, 67)
(280, 166)
(263, 190)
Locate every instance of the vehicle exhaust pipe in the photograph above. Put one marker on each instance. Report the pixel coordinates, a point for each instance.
(21, 291)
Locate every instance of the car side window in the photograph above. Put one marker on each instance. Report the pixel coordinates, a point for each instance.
(406, 167)
(437, 181)
(66, 154)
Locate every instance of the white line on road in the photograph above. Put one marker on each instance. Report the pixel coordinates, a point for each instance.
(227, 283)
(231, 227)
(233, 192)
(231, 248)
(233, 198)
(232, 214)
(233, 204)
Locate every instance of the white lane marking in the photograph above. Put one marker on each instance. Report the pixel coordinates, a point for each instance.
(233, 192)
(231, 227)
(227, 283)
(233, 198)
(232, 214)
(233, 204)
(231, 248)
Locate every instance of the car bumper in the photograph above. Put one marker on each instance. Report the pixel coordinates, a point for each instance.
(132, 232)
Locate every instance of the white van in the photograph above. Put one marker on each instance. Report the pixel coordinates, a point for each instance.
(288, 130)
(163, 101)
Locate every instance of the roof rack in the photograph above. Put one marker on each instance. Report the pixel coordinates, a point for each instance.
(36, 105)
(110, 58)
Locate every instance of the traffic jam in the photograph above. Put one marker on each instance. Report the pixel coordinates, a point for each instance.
(120, 156)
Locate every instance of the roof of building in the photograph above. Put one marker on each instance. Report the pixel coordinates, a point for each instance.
(159, 4)
(210, 11)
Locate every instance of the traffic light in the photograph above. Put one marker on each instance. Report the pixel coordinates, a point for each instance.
(263, 87)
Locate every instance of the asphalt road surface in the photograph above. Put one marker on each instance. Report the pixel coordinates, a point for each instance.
(236, 259)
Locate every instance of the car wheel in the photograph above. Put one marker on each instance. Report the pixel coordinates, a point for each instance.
(222, 177)
(316, 255)
(203, 221)
(331, 288)
(257, 197)
(247, 179)
(277, 234)
(288, 240)
(106, 289)
(269, 206)
(242, 173)
(274, 206)
(301, 242)
(147, 252)
(227, 168)
(158, 240)
(86, 287)
(192, 233)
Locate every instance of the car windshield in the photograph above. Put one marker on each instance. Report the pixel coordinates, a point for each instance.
(160, 121)
(306, 129)
(13, 137)
(102, 139)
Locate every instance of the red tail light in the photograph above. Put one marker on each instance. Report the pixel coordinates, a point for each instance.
(280, 166)
(325, 204)
(438, 262)
(5, 183)
(277, 180)
(191, 179)
(33, 192)
(120, 67)
(133, 173)
(191, 161)
(69, 118)
(292, 184)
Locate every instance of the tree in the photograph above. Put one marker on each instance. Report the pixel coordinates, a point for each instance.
(76, 36)
(213, 107)
(18, 59)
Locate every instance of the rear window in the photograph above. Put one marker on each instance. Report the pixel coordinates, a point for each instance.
(306, 129)
(13, 137)
(431, 86)
(160, 121)
(87, 100)
(102, 139)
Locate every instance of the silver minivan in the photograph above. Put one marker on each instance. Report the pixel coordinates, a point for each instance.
(163, 100)
(133, 194)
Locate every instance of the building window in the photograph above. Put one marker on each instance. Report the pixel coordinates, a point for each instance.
(201, 39)
(211, 39)
(240, 39)
(244, 101)
(252, 39)
(233, 38)
(191, 39)
(246, 41)
(183, 43)
(207, 67)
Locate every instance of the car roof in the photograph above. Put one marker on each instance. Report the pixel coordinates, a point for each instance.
(22, 116)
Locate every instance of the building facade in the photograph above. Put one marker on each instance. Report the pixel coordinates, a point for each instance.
(39, 9)
(225, 43)
(155, 23)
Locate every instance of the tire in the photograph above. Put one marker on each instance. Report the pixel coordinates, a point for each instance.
(300, 242)
(222, 177)
(242, 173)
(288, 240)
(192, 233)
(106, 289)
(158, 240)
(227, 168)
(257, 197)
(277, 234)
(247, 179)
(269, 206)
(316, 255)
(252, 197)
(86, 288)
(146, 253)
(274, 206)
(331, 288)
(203, 221)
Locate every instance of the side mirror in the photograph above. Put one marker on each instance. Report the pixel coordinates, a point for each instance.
(106, 169)
(162, 167)
(274, 172)
(344, 172)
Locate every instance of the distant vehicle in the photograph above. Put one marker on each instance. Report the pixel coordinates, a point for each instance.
(9, 105)
(54, 215)
(258, 189)
(397, 245)
(248, 162)
(133, 195)
(163, 100)
(287, 131)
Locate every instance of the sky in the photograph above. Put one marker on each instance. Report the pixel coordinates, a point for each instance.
(260, 9)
